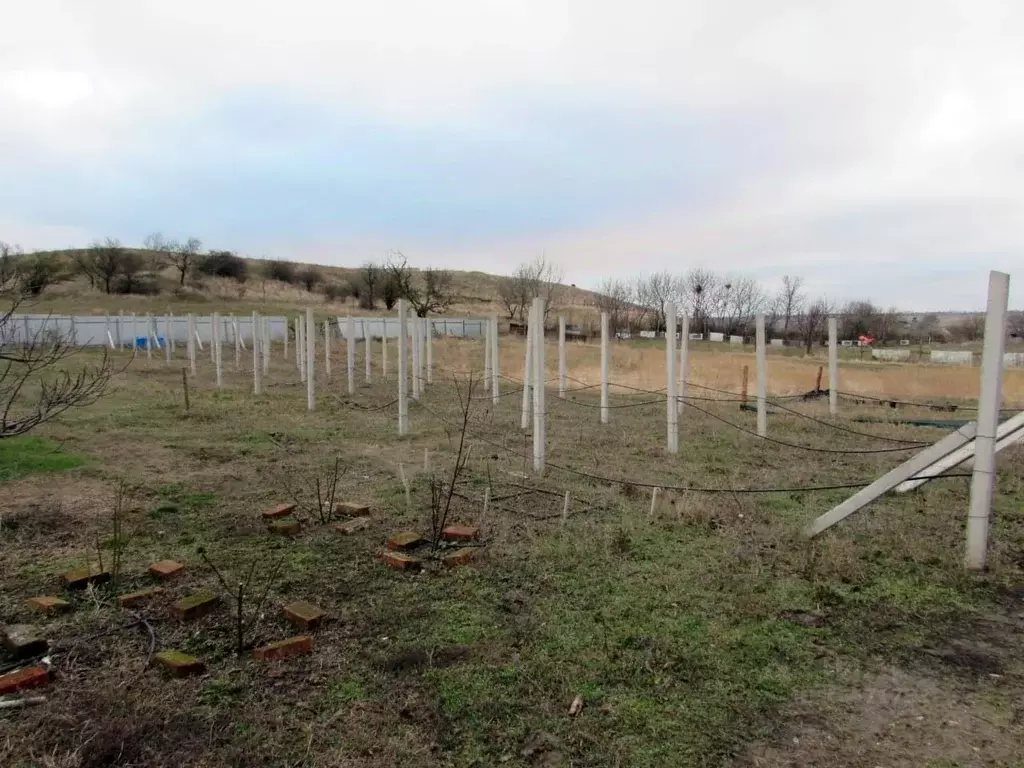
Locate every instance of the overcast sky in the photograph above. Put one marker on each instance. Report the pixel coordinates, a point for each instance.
(875, 148)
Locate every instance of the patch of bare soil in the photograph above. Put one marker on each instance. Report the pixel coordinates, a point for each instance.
(901, 719)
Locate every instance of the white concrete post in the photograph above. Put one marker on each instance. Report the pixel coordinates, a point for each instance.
(495, 362)
(265, 343)
(120, 321)
(238, 341)
(215, 346)
(135, 330)
(684, 361)
(384, 350)
(286, 337)
(367, 353)
(327, 348)
(539, 391)
(106, 330)
(672, 408)
(833, 366)
(984, 473)
(310, 326)
(167, 338)
(403, 367)
(604, 368)
(762, 378)
(487, 356)
(257, 382)
(563, 373)
(298, 346)
(428, 334)
(149, 337)
(350, 352)
(170, 333)
(416, 339)
(190, 345)
(524, 418)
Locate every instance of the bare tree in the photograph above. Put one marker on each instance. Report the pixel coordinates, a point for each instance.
(700, 289)
(369, 282)
(184, 257)
(540, 278)
(102, 262)
(429, 290)
(36, 382)
(390, 289)
(309, 278)
(37, 271)
(10, 255)
(742, 298)
(811, 323)
(859, 318)
(615, 298)
(1015, 323)
(658, 290)
(790, 300)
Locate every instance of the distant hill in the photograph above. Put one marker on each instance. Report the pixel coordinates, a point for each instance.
(475, 293)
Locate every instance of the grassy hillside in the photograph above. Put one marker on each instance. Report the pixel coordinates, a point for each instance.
(476, 293)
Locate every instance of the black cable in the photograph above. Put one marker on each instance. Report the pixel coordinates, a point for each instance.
(693, 489)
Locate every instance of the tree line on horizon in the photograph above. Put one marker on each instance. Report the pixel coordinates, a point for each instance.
(714, 302)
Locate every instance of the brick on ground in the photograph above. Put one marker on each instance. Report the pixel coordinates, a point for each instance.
(279, 511)
(135, 598)
(403, 541)
(305, 616)
(284, 649)
(166, 569)
(401, 561)
(49, 604)
(180, 664)
(195, 605)
(351, 526)
(22, 640)
(80, 578)
(284, 527)
(461, 533)
(22, 679)
(459, 557)
(352, 508)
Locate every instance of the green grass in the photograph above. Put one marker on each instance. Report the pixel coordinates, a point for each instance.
(676, 628)
(25, 455)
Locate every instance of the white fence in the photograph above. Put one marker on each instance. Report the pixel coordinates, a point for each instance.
(713, 336)
(378, 327)
(952, 356)
(891, 355)
(128, 330)
(735, 339)
(1013, 360)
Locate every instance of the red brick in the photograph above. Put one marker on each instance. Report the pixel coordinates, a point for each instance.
(401, 561)
(351, 526)
(285, 528)
(351, 508)
(403, 541)
(49, 604)
(195, 605)
(134, 598)
(305, 616)
(22, 641)
(166, 569)
(285, 649)
(279, 511)
(180, 664)
(29, 677)
(459, 557)
(80, 578)
(460, 533)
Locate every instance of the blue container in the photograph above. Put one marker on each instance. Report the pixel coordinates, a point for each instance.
(140, 342)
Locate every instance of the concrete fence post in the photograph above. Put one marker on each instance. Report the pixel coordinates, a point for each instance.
(563, 372)
(495, 361)
(539, 391)
(310, 331)
(983, 475)
(833, 366)
(350, 352)
(672, 408)
(604, 368)
(257, 368)
(403, 367)
(524, 418)
(684, 361)
(762, 377)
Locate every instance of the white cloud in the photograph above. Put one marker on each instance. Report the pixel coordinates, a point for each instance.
(903, 120)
